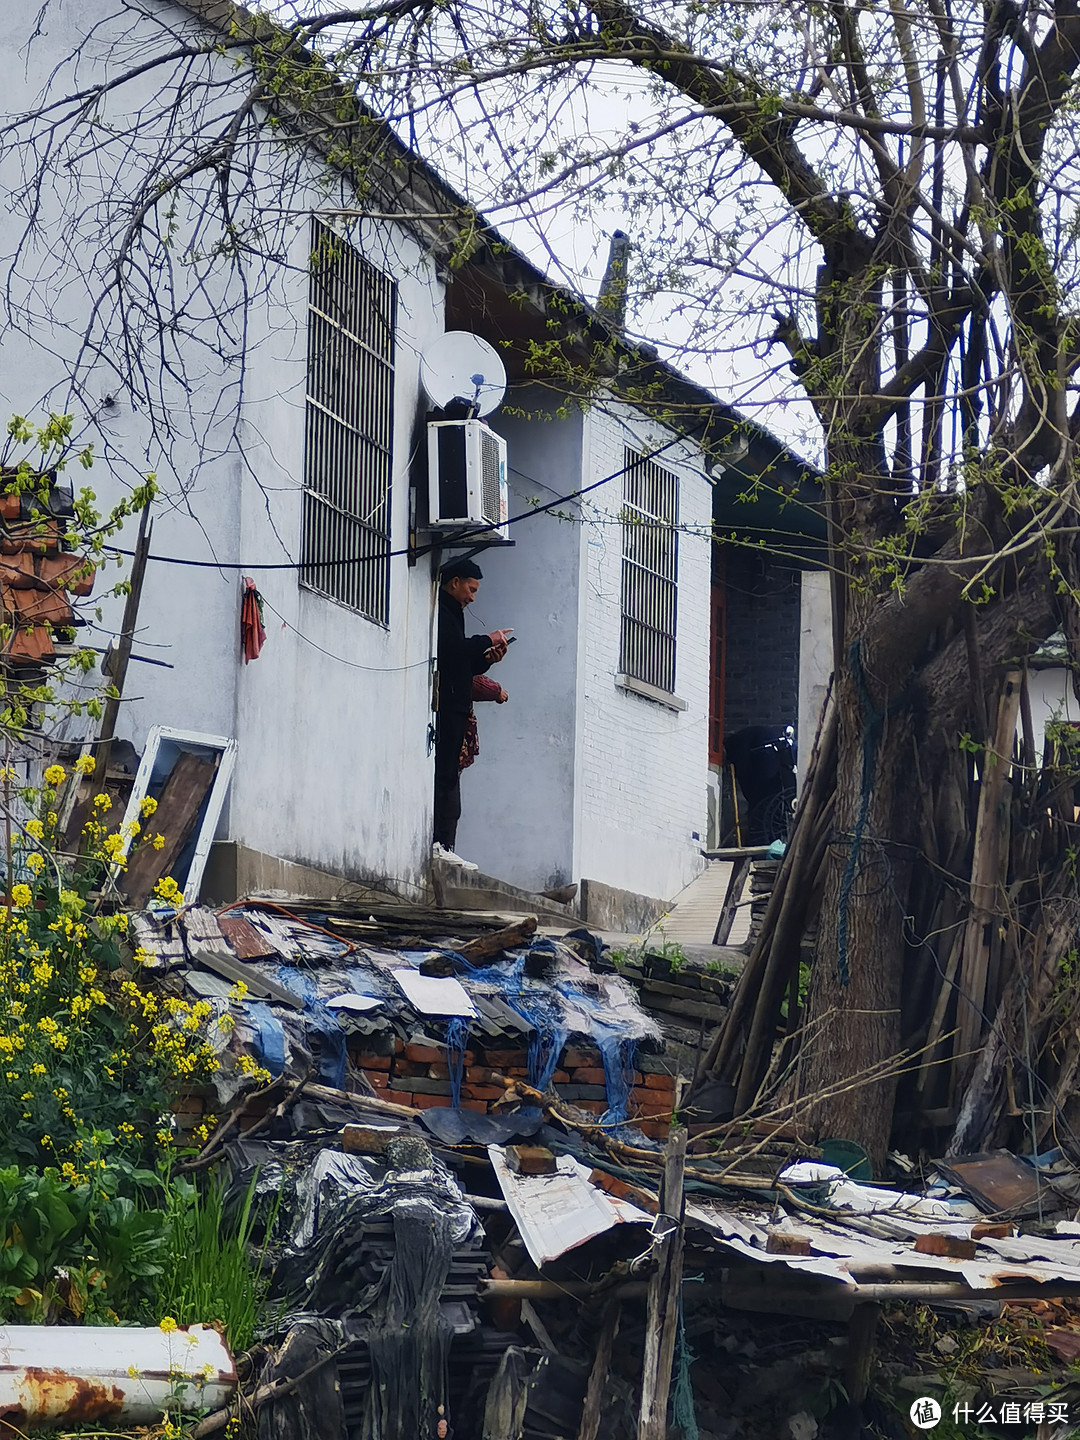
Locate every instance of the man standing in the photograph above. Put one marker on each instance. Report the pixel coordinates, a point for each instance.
(460, 658)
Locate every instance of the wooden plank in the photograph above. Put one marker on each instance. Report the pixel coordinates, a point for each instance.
(738, 852)
(737, 879)
(178, 809)
(509, 938)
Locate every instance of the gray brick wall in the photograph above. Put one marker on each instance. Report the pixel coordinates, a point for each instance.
(761, 683)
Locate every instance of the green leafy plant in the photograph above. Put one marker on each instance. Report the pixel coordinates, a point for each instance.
(76, 1251)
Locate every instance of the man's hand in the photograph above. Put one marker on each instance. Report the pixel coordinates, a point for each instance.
(502, 697)
(500, 641)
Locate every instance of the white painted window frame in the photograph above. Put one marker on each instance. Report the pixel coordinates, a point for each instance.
(218, 791)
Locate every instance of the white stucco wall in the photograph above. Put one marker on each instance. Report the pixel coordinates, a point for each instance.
(643, 768)
(518, 798)
(578, 778)
(332, 766)
(1052, 698)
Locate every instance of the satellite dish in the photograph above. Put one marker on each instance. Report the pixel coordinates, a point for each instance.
(460, 366)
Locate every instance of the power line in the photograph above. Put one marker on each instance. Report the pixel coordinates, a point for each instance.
(464, 538)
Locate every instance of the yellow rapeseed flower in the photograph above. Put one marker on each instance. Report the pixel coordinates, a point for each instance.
(102, 802)
(21, 895)
(84, 765)
(35, 828)
(147, 805)
(35, 862)
(55, 775)
(168, 1324)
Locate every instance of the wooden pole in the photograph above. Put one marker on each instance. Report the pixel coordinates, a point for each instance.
(862, 1335)
(987, 873)
(118, 676)
(107, 733)
(665, 1289)
(594, 1395)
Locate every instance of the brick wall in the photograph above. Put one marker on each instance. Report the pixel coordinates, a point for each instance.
(761, 685)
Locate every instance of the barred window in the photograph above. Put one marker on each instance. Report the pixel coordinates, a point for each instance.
(348, 446)
(650, 570)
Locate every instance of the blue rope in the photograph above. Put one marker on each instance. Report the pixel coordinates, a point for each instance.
(457, 1041)
(875, 719)
(682, 1392)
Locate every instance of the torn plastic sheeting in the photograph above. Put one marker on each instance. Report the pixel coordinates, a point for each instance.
(557, 1213)
(324, 1186)
(847, 1194)
(75, 1374)
(269, 1037)
(323, 1021)
(331, 1274)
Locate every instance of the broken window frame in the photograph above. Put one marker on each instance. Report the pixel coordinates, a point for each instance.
(215, 804)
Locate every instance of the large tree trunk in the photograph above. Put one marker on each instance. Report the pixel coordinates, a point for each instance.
(854, 1010)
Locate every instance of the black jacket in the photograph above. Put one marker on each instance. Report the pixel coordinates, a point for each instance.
(461, 656)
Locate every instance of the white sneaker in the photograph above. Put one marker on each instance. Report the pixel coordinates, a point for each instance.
(439, 852)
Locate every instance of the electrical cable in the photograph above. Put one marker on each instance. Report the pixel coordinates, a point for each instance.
(459, 541)
(353, 665)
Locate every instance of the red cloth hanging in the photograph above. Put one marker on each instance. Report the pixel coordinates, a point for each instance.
(252, 630)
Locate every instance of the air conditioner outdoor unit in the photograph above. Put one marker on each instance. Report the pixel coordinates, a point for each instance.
(466, 476)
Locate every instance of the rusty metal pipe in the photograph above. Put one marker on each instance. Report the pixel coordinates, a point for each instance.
(81, 1374)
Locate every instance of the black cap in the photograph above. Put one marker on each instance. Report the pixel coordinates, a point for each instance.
(460, 570)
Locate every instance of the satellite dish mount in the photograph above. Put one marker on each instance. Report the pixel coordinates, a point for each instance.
(463, 375)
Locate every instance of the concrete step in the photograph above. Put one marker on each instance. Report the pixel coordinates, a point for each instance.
(459, 889)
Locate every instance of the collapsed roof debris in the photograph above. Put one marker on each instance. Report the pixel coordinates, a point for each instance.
(465, 1199)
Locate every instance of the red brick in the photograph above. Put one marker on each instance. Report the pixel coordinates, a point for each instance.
(654, 1107)
(660, 1082)
(561, 1077)
(571, 1059)
(399, 1045)
(373, 1062)
(474, 1105)
(429, 1102)
(585, 1075)
(612, 1185)
(483, 1092)
(424, 1054)
(595, 1107)
(516, 1072)
(409, 1069)
(501, 1058)
(655, 1129)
